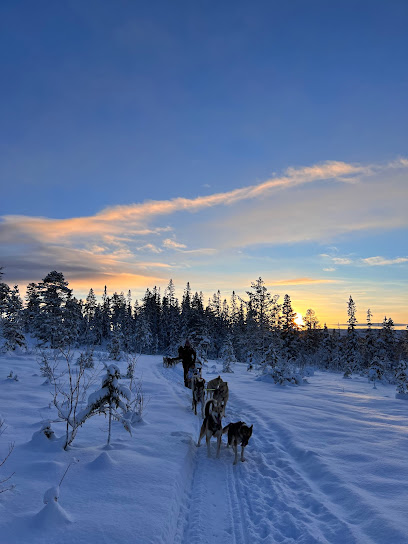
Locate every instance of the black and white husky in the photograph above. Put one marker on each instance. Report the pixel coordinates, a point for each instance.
(212, 425)
(238, 433)
(198, 385)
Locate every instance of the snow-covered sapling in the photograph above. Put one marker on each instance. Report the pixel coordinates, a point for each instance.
(48, 365)
(85, 359)
(227, 356)
(71, 394)
(108, 400)
(376, 371)
(130, 370)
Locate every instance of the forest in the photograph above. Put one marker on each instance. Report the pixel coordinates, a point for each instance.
(258, 330)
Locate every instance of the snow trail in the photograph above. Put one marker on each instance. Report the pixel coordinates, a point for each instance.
(265, 499)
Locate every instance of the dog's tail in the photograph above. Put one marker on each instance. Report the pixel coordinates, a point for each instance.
(208, 406)
(226, 428)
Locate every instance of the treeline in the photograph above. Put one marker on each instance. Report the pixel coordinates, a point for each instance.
(256, 330)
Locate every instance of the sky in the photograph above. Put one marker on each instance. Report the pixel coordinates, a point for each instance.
(209, 142)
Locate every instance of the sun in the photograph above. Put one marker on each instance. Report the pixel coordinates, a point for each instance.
(299, 320)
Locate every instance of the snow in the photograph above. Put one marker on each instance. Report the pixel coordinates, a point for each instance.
(326, 464)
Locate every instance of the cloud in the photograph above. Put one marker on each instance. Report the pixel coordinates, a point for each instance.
(302, 281)
(331, 269)
(341, 260)
(381, 261)
(150, 247)
(316, 202)
(172, 244)
(115, 219)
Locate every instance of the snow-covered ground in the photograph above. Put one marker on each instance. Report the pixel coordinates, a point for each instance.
(327, 463)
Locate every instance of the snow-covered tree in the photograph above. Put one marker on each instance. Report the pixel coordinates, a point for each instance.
(32, 309)
(386, 345)
(376, 370)
(227, 355)
(91, 335)
(108, 400)
(114, 345)
(352, 354)
(401, 377)
(12, 323)
(261, 318)
(53, 291)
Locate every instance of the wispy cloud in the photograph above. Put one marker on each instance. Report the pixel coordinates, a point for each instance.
(140, 240)
(341, 260)
(381, 261)
(172, 244)
(303, 281)
(367, 261)
(113, 219)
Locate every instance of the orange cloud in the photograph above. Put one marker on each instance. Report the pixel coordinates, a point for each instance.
(302, 281)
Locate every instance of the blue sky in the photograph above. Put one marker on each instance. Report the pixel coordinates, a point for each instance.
(107, 104)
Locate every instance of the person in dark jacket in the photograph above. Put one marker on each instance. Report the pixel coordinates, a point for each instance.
(188, 356)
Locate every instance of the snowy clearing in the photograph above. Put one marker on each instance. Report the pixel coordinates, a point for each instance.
(326, 464)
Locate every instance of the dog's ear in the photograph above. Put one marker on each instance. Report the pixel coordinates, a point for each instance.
(251, 427)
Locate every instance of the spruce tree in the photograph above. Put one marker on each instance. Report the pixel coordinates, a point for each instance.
(13, 324)
(53, 291)
(352, 355)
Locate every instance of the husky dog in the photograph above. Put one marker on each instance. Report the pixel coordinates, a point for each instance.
(198, 394)
(170, 361)
(212, 385)
(221, 395)
(238, 433)
(211, 426)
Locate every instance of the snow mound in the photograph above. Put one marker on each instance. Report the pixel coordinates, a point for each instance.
(52, 494)
(52, 515)
(102, 462)
(44, 438)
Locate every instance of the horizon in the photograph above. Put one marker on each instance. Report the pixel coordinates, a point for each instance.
(209, 144)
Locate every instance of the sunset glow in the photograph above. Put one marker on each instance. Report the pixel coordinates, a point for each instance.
(162, 148)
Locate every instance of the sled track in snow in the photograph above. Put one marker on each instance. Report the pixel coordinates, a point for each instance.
(311, 503)
(210, 511)
(273, 497)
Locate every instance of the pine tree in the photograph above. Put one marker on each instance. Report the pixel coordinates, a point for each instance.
(32, 309)
(73, 321)
(13, 324)
(105, 315)
(170, 320)
(401, 377)
(352, 355)
(289, 328)
(261, 318)
(386, 344)
(369, 342)
(53, 291)
(90, 315)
